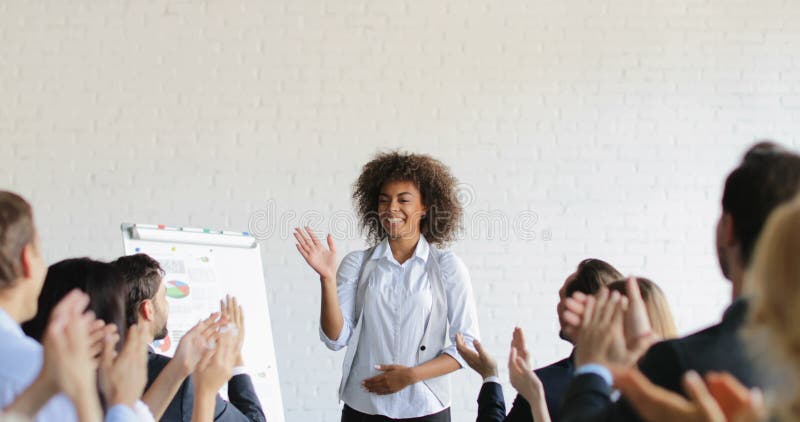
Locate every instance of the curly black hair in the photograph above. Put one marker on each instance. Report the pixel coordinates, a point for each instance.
(431, 177)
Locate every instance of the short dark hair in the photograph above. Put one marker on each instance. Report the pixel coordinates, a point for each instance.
(142, 276)
(768, 176)
(434, 181)
(16, 231)
(592, 274)
(99, 280)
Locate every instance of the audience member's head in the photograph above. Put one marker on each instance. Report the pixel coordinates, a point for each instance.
(590, 276)
(101, 281)
(147, 295)
(768, 176)
(774, 282)
(658, 309)
(22, 266)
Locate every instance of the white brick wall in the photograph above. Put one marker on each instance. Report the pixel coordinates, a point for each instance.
(615, 121)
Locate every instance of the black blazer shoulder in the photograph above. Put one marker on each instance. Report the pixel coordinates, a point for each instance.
(555, 380)
(716, 348)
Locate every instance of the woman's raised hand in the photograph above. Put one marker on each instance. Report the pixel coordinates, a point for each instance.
(320, 258)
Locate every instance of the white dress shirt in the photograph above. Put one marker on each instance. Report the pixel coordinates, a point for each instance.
(396, 309)
(20, 363)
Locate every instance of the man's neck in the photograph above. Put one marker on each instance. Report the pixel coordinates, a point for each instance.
(736, 276)
(12, 306)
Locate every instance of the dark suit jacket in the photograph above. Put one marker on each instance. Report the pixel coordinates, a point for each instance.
(717, 348)
(555, 379)
(243, 407)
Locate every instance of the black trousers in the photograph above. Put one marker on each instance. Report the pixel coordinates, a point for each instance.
(351, 415)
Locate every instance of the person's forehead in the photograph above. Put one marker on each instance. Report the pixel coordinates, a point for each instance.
(403, 186)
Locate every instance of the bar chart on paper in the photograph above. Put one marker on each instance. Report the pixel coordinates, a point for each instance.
(201, 266)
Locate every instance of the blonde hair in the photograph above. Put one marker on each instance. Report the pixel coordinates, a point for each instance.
(658, 309)
(774, 283)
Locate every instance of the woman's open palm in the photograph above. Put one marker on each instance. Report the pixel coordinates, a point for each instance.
(320, 258)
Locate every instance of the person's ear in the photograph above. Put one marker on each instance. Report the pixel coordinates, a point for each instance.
(147, 310)
(728, 231)
(28, 260)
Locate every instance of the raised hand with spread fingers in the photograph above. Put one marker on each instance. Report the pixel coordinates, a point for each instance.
(323, 261)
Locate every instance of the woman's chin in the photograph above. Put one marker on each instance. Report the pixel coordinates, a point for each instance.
(397, 233)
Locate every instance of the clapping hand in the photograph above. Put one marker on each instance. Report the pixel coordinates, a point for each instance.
(216, 366)
(68, 354)
(194, 343)
(68, 363)
(520, 373)
(479, 359)
(213, 371)
(99, 334)
(230, 308)
(122, 377)
(721, 398)
(639, 334)
(601, 340)
(570, 314)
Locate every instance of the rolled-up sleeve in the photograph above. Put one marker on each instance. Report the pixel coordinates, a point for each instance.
(461, 312)
(346, 286)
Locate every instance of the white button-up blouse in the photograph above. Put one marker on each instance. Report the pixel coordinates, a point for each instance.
(397, 305)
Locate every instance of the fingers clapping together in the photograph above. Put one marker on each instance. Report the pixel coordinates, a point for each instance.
(520, 373)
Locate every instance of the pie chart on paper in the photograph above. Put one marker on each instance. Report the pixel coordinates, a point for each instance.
(163, 345)
(177, 289)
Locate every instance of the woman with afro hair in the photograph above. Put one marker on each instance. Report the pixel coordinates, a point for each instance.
(398, 305)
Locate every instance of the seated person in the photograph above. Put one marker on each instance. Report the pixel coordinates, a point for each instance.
(69, 365)
(767, 177)
(102, 284)
(22, 273)
(147, 301)
(643, 295)
(588, 278)
(771, 335)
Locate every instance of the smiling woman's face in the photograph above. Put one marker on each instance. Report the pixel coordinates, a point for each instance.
(400, 209)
